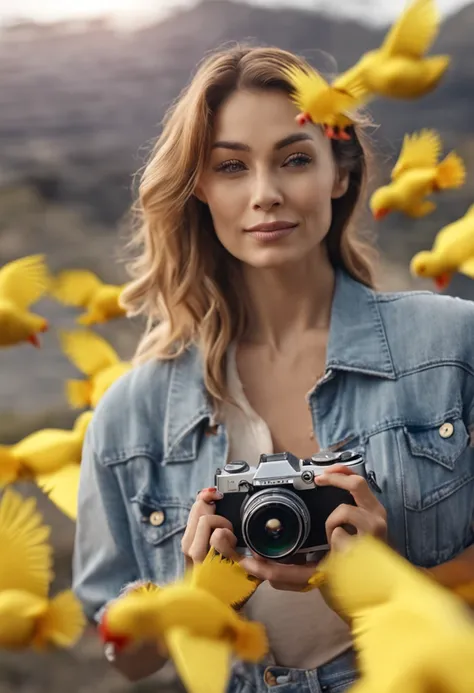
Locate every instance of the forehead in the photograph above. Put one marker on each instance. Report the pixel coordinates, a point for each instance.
(259, 117)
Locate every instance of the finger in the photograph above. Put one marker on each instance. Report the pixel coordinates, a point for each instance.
(200, 509)
(209, 495)
(363, 521)
(340, 539)
(206, 525)
(355, 484)
(224, 541)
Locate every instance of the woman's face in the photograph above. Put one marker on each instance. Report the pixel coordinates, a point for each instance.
(266, 170)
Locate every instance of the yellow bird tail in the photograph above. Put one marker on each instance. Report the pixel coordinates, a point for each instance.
(10, 466)
(79, 393)
(62, 624)
(251, 642)
(434, 68)
(451, 172)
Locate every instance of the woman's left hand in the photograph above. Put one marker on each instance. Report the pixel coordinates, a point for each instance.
(367, 517)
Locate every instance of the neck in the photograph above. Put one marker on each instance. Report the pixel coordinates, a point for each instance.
(287, 302)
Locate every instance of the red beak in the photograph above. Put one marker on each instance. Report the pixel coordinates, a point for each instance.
(381, 213)
(33, 339)
(303, 118)
(442, 281)
(120, 641)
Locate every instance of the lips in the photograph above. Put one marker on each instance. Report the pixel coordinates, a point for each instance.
(271, 226)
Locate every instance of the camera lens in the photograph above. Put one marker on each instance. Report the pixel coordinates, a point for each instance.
(275, 523)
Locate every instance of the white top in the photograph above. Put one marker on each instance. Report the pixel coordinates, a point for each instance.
(303, 631)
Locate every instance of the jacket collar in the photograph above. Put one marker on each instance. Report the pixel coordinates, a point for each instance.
(357, 342)
(357, 339)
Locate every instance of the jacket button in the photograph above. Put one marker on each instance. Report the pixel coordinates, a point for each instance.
(446, 430)
(157, 518)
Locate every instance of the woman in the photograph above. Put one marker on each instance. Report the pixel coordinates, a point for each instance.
(265, 334)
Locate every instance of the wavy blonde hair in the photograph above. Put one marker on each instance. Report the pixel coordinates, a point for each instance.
(184, 281)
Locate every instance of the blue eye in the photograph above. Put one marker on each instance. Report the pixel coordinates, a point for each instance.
(297, 160)
(231, 166)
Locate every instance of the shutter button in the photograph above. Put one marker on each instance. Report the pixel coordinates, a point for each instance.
(446, 430)
(157, 518)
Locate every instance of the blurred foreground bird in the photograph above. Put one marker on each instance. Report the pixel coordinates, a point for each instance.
(399, 68)
(83, 289)
(323, 104)
(22, 283)
(43, 453)
(194, 620)
(95, 357)
(411, 634)
(28, 618)
(452, 251)
(416, 175)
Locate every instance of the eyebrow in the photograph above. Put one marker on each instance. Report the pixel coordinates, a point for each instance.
(285, 142)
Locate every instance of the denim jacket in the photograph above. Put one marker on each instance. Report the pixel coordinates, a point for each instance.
(398, 387)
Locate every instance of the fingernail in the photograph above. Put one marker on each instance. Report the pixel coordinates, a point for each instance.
(218, 494)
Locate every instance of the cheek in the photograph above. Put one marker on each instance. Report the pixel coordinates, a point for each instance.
(312, 196)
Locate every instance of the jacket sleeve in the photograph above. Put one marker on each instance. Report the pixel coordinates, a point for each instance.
(104, 559)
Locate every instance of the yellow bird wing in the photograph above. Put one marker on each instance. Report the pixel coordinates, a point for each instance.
(352, 83)
(419, 150)
(203, 665)
(310, 87)
(414, 32)
(26, 556)
(62, 624)
(46, 451)
(89, 352)
(75, 287)
(223, 578)
(24, 281)
(62, 488)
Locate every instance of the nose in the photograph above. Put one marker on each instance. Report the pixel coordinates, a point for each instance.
(266, 192)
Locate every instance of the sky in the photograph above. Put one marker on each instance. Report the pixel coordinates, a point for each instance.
(128, 13)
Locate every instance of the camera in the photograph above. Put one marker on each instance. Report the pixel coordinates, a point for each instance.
(275, 508)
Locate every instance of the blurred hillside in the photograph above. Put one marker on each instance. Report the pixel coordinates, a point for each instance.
(79, 109)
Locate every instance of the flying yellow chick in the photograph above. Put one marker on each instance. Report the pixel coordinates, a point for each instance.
(195, 620)
(22, 283)
(28, 618)
(43, 452)
(411, 634)
(83, 289)
(417, 174)
(323, 104)
(94, 356)
(452, 251)
(62, 488)
(399, 68)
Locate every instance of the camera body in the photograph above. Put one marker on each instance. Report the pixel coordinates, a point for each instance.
(275, 508)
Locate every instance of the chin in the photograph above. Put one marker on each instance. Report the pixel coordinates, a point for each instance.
(272, 258)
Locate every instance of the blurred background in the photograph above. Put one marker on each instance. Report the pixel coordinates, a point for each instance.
(83, 88)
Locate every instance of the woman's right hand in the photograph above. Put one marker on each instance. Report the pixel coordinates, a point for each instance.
(205, 529)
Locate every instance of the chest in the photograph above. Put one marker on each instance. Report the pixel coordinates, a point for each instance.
(278, 390)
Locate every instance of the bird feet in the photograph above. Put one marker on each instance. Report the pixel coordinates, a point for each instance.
(337, 133)
(303, 118)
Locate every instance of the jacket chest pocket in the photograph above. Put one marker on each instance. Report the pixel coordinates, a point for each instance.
(161, 524)
(437, 466)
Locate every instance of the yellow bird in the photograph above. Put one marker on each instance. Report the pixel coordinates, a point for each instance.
(22, 283)
(83, 289)
(62, 488)
(95, 357)
(411, 634)
(417, 174)
(195, 621)
(43, 453)
(399, 68)
(28, 618)
(323, 104)
(452, 251)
